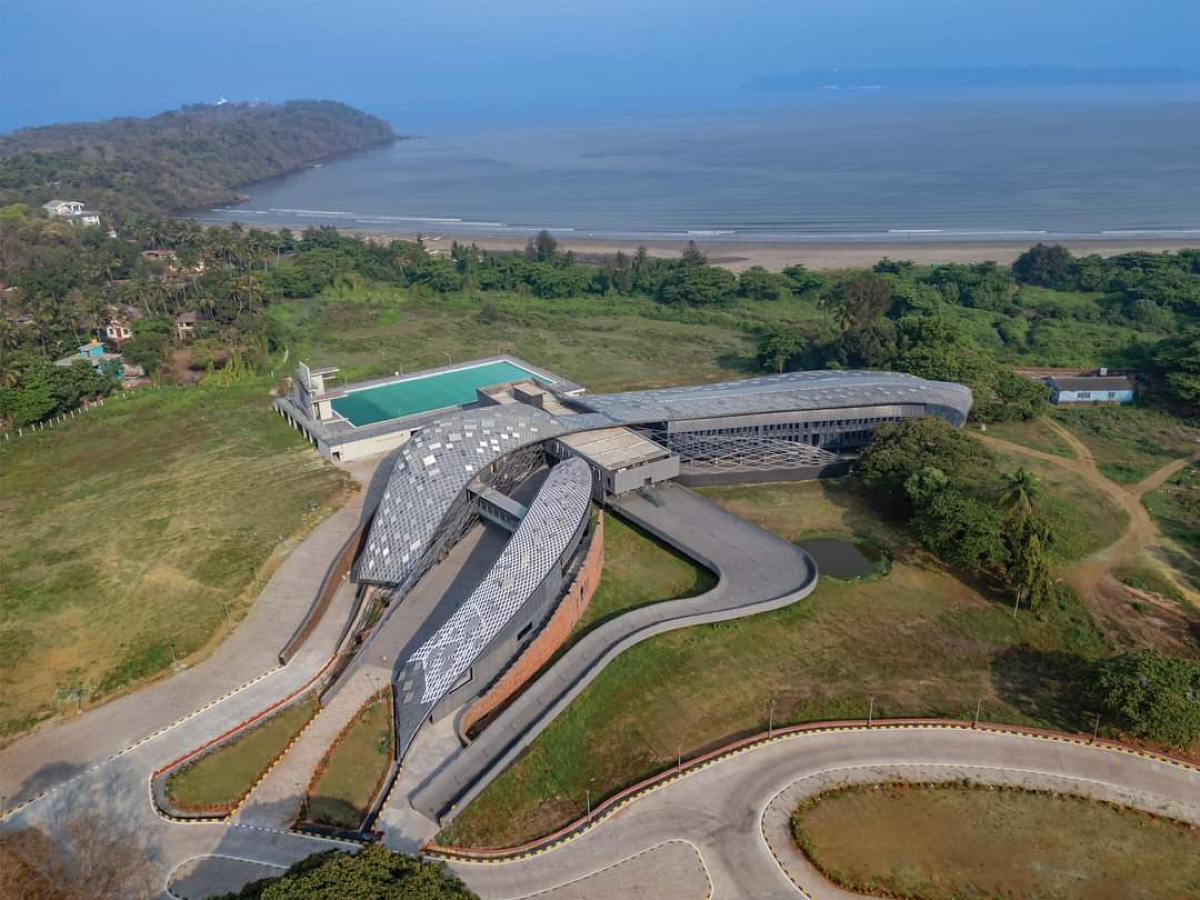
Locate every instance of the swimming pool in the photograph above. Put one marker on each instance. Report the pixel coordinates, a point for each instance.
(424, 393)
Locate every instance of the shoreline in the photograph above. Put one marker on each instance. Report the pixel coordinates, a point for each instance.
(776, 255)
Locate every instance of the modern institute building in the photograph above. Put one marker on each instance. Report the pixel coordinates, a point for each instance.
(472, 436)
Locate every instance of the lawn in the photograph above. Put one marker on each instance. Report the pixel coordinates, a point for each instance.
(955, 842)
(218, 781)
(918, 640)
(133, 528)
(1129, 442)
(604, 344)
(1175, 506)
(352, 771)
(1036, 435)
(639, 569)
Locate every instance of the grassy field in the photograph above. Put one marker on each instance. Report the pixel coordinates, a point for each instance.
(1082, 519)
(219, 780)
(1036, 435)
(952, 842)
(353, 769)
(605, 344)
(132, 528)
(1129, 442)
(639, 569)
(918, 640)
(1175, 506)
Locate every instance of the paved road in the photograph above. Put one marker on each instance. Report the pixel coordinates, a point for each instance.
(707, 830)
(757, 571)
(730, 810)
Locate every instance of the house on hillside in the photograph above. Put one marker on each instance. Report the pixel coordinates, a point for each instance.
(1100, 387)
(185, 325)
(72, 211)
(118, 329)
(94, 354)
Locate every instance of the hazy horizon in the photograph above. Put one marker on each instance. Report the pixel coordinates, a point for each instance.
(526, 60)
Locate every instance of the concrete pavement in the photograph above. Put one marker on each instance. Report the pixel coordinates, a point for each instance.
(735, 811)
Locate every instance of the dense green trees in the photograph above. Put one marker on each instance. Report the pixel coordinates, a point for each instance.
(1048, 266)
(1178, 359)
(179, 160)
(374, 872)
(1152, 696)
(944, 482)
(35, 390)
(693, 282)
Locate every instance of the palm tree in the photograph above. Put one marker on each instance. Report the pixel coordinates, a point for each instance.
(1022, 489)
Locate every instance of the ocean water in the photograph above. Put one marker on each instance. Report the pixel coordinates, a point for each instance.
(969, 168)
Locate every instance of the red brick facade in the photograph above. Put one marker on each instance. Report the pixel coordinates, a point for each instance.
(549, 639)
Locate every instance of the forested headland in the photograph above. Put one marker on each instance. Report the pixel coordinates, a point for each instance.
(184, 159)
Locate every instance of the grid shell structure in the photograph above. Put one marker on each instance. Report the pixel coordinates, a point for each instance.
(791, 391)
(431, 472)
(541, 539)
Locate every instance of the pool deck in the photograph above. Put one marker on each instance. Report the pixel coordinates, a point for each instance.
(335, 433)
(425, 391)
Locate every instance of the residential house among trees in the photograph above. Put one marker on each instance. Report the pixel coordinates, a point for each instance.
(96, 356)
(1098, 388)
(117, 329)
(185, 325)
(72, 211)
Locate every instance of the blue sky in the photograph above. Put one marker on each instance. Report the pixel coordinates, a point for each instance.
(423, 61)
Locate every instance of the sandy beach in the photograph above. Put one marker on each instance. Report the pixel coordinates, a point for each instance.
(739, 255)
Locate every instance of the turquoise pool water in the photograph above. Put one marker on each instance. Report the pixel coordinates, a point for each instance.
(424, 393)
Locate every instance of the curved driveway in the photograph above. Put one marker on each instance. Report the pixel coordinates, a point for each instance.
(734, 812)
(757, 572)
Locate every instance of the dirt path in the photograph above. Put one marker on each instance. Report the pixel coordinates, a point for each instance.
(1122, 611)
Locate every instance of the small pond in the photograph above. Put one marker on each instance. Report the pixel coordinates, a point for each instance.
(843, 558)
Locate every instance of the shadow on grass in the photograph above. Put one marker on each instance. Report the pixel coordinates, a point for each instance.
(1045, 685)
(333, 812)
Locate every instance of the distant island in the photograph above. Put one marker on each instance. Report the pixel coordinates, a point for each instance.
(181, 160)
(968, 77)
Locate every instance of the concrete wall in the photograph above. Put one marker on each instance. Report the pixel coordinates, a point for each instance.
(765, 476)
(1092, 397)
(365, 447)
(624, 480)
(547, 642)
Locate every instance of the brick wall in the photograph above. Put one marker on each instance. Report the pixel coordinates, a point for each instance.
(568, 612)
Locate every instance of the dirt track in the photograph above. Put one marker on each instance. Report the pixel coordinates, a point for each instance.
(1167, 624)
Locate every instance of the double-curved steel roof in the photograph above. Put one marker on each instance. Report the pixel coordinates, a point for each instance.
(435, 466)
(541, 539)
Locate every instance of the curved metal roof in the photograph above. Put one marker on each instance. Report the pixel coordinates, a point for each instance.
(780, 393)
(540, 540)
(435, 466)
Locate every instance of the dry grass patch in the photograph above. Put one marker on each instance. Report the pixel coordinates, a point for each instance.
(957, 842)
(128, 530)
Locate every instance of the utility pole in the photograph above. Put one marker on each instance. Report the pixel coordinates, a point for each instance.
(589, 804)
(1096, 730)
(978, 708)
(771, 719)
(174, 661)
(871, 711)
(679, 756)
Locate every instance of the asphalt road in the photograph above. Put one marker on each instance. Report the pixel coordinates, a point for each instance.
(734, 812)
(707, 831)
